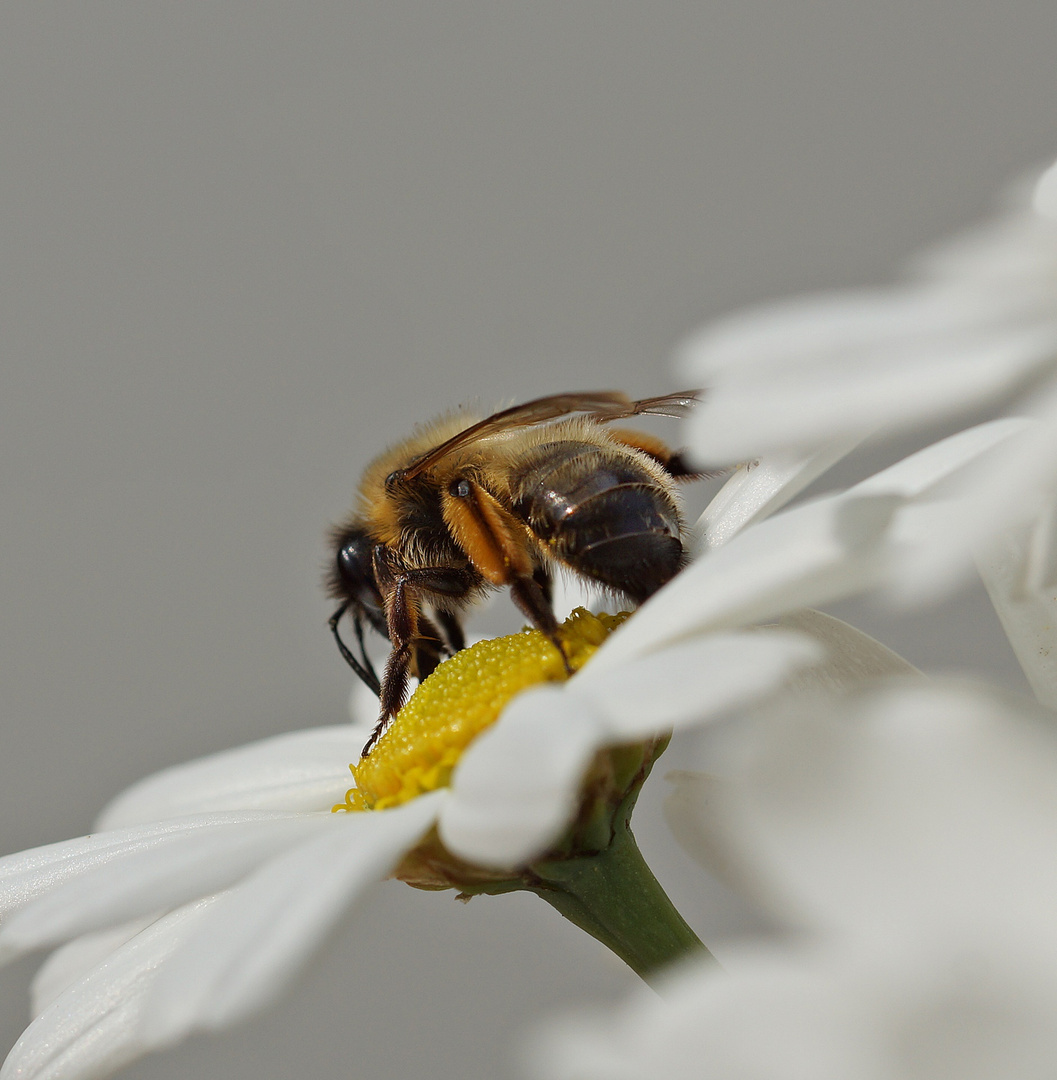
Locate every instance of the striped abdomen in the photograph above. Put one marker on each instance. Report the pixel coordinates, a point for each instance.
(603, 514)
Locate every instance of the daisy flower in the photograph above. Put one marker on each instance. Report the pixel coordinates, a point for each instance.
(206, 887)
(905, 839)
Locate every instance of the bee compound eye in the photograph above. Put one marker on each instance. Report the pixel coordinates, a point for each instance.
(460, 488)
(354, 561)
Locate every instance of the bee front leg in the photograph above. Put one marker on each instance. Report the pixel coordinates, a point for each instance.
(401, 609)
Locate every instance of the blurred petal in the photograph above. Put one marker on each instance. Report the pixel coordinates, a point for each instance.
(517, 786)
(1012, 487)
(852, 658)
(138, 880)
(27, 875)
(763, 487)
(927, 806)
(916, 475)
(764, 1017)
(76, 958)
(696, 811)
(694, 807)
(258, 935)
(1045, 197)
(1040, 556)
(1027, 609)
(807, 408)
(301, 770)
(919, 1010)
(91, 1029)
(1005, 263)
(811, 332)
(690, 683)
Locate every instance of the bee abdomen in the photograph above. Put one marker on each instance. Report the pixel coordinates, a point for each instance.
(626, 538)
(606, 517)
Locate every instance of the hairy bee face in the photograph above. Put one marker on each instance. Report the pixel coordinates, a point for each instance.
(461, 507)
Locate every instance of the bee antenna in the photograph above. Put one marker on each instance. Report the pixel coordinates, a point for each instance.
(366, 673)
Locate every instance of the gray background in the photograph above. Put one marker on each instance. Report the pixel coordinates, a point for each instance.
(247, 244)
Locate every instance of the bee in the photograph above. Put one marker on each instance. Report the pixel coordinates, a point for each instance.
(461, 508)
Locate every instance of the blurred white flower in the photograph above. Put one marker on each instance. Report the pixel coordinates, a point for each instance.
(974, 326)
(208, 885)
(908, 841)
(976, 318)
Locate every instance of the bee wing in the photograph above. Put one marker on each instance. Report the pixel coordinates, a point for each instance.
(601, 405)
(602, 402)
(666, 405)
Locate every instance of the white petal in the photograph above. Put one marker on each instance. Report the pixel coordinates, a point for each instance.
(259, 934)
(810, 555)
(852, 658)
(137, 881)
(694, 808)
(930, 806)
(919, 1010)
(1045, 197)
(76, 959)
(1028, 612)
(26, 875)
(690, 683)
(696, 811)
(804, 333)
(1040, 557)
(763, 487)
(90, 1029)
(1008, 488)
(806, 409)
(764, 1017)
(919, 473)
(517, 786)
(301, 770)
(1006, 261)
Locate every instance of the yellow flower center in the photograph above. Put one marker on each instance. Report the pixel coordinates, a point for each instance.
(458, 701)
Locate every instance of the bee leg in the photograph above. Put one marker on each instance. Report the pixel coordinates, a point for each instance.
(357, 623)
(544, 579)
(365, 671)
(394, 688)
(452, 629)
(429, 648)
(680, 469)
(531, 600)
(451, 581)
(401, 615)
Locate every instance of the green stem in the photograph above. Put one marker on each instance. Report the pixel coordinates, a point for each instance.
(614, 897)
